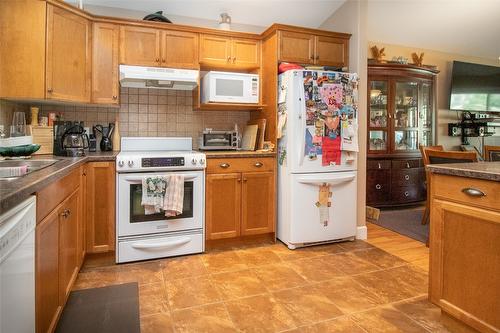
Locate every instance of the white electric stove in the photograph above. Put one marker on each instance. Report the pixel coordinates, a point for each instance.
(141, 236)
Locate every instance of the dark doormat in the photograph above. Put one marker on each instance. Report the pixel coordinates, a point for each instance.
(107, 309)
(406, 221)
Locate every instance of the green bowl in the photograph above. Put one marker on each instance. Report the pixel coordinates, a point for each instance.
(16, 151)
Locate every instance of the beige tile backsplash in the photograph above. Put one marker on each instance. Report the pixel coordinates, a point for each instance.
(148, 112)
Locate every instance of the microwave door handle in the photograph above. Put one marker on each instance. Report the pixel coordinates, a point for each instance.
(139, 179)
(161, 245)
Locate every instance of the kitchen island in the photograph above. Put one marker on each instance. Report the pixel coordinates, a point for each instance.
(464, 275)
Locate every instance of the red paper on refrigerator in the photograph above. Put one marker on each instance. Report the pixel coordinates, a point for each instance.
(331, 151)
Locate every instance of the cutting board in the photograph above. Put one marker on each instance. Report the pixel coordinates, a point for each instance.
(261, 124)
(44, 136)
(249, 137)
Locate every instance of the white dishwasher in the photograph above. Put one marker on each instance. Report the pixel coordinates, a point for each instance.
(17, 268)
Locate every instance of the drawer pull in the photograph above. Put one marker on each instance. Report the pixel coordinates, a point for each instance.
(407, 177)
(473, 192)
(378, 186)
(407, 193)
(379, 165)
(407, 165)
(225, 165)
(258, 164)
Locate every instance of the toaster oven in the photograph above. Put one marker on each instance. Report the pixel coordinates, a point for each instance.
(219, 140)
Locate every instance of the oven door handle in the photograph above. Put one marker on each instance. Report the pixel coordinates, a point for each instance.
(139, 179)
(161, 245)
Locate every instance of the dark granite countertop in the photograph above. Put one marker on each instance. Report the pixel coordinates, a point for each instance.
(16, 190)
(479, 170)
(236, 154)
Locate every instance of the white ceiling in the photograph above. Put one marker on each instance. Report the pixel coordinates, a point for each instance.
(467, 27)
(308, 13)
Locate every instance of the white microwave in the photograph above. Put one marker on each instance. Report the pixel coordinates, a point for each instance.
(227, 87)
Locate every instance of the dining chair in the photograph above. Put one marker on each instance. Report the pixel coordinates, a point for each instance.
(425, 160)
(492, 153)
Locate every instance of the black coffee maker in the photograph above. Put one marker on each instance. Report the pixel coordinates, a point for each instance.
(70, 139)
(106, 135)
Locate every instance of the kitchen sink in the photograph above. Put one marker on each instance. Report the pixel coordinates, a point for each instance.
(10, 169)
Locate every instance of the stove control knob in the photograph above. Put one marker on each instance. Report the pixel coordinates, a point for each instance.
(121, 163)
(193, 161)
(130, 163)
(202, 161)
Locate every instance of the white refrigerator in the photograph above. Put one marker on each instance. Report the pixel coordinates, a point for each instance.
(317, 157)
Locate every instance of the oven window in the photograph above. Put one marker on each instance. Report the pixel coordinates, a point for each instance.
(137, 210)
(225, 87)
(217, 140)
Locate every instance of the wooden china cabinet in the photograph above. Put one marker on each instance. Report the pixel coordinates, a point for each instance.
(402, 104)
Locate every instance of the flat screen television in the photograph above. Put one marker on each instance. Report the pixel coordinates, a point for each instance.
(475, 87)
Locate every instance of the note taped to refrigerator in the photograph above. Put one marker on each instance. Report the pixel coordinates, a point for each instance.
(331, 153)
(349, 135)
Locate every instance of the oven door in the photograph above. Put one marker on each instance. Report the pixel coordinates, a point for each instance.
(131, 218)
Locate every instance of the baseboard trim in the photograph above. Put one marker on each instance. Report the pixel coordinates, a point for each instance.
(362, 232)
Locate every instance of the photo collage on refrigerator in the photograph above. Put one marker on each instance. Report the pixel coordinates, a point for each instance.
(331, 116)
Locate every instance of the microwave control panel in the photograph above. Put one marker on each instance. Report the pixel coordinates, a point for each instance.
(158, 162)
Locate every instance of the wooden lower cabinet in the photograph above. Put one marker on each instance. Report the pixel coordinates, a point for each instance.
(465, 251)
(223, 205)
(257, 203)
(240, 202)
(99, 207)
(69, 216)
(48, 305)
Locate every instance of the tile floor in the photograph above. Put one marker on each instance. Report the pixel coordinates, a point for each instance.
(346, 287)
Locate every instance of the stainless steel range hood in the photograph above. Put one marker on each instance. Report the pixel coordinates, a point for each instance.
(158, 77)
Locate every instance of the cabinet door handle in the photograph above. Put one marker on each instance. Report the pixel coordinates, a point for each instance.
(378, 186)
(379, 166)
(228, 59)
(407, 193)
(407, 177)
(244, 179)
(66, 213)
(225, 165)
(312, 57)
(473, 192)
(317, 57)
(163, 60)
(234, 60)
(115, 97)
(50, 90)
(157, 59)
(258, 164)
(239, 180)
(407, 165)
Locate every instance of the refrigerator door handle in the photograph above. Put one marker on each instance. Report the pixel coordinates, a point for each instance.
(302, 119)
(326, 180)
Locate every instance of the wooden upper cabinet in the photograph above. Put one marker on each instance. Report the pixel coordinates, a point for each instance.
(257, 203)
(306, 48)
(223, 204)
(245, 52)
(105, 87)
(296, 47)
(68, 65)
(215, 49)
(179, 49)
(139, 46)
(331, 51)
(229, 52)
(48, 306)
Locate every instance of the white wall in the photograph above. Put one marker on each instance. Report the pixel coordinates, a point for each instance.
(177, 19)
(351, 18)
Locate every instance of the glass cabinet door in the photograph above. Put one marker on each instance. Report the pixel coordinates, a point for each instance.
(405, 116)
(378, 103)
(425, 115)
(377, 140)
